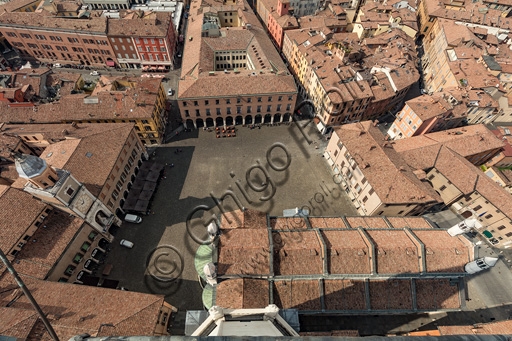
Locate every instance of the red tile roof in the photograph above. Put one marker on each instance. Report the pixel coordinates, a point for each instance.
(344, 295)
(37, 259)
(436, 294)
(297, 253)
(19, 211)
(17, 323)
(347, 252)
(443, 252)
(396, 252)
(327, 223)
(244, 251)
(297, 294)
(77, 309)
(242, 293)
(392, 294)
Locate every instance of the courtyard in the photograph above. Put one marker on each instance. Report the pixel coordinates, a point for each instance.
(259, 176)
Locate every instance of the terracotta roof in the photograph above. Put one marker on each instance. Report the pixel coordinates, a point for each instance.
(505, 138)
(17, 323)
(504, 174)
(37, 20)
(47, 244)
(243, 293)
(465, 141)
(347, 252)
(59, 132)
(77, 309)
(247, 218)
(367, 222)
(297, 294)
(492, 328)
(443, 252)
(327, 222)
(270, 76)
(82, 157)
(344, 295)
(396, 252)
(292, 223)
(436, 294)
(250, 256)
(154, 25)
(387, 172)
(297, 253)
(426, 107)
(392, 294)
(137, 102)
(19, 211)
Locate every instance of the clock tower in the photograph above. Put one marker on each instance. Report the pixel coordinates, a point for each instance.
(59, 188)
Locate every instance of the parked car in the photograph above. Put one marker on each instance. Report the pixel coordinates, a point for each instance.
(179, 55)
(94, 73)
(170, 92)
(126, 243)
(57, 65)
(132, 218)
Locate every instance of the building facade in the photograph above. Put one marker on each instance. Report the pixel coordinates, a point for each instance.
(378, 181)
(238, 77)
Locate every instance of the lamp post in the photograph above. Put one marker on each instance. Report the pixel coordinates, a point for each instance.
(27, 293)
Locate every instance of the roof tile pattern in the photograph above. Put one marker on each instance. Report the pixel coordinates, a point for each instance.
(302, 295)
(443, 252)
(393, 294)
(396, 253)
(297, 253)
(244, 251)
(347, 252)
(344, 295)
(19, 211)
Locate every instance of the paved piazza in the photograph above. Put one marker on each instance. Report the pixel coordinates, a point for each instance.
(211, 166)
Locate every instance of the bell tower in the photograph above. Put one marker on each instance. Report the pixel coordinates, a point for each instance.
(35, 170)
(59, 188)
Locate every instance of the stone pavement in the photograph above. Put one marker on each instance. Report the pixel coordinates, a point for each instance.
(208, 167)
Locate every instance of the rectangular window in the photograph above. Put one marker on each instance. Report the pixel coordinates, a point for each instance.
(371, 191)
(477, 208)
(85, 246)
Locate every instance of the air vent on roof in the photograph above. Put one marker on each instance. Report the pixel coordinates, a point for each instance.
(88, 154)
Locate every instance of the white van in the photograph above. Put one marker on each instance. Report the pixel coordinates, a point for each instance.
(132, 218)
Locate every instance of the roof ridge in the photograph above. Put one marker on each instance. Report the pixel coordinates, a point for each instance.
(157, 299)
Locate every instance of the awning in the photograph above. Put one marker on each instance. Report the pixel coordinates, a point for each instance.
(487, 234)
(153, 68)
(161, 68)
(110, 63)
(145, 67)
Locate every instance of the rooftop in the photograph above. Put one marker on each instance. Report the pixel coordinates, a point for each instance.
(133, 102)
(82, 156)
(47, 244)
(19, 211)
(198, 76)
(77, 309)
(465, 141)
(388, 173)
